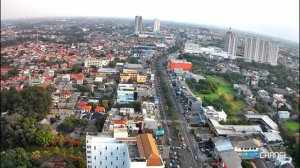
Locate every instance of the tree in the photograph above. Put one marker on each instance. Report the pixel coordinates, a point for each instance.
(15, 158)
(44, 136)
(111, 64)
(246, 164)
(100, 122)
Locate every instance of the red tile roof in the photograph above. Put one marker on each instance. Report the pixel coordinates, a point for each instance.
(100, 109)
(119, 122)
(86, 108)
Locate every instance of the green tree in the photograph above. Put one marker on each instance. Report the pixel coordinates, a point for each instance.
(111, 64)
(246, 164)
(44, 136)
(13, 158)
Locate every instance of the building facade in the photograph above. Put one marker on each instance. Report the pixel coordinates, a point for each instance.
(96, 62)
(126, 93)
(261, 51)
(156, 26)
(230, 44)
(106, 152)
(179, 64)
(138, 24)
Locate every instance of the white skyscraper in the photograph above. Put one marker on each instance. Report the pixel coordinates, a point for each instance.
(230, 44)
(156, 26)
(138, 24)
(261, 51)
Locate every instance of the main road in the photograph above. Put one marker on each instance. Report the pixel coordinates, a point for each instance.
(188, 161)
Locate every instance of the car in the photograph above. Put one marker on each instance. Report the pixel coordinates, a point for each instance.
(196, 158)
(184, 145)
(178, 147)
(202, 150)
(189, 149)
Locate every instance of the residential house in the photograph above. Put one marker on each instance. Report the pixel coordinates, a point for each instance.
(283, 115)
(65, 94)
(100, 109)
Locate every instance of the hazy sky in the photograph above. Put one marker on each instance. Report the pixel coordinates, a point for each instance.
(279, 18)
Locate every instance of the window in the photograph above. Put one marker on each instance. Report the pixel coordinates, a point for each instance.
(88, 151)
(123, 162)
(105, 147)
(123, 153)
(89, 166)
(111, 153)
(117, 158)
(105, 157)
(95, 157)
(89, 146)
(100, 163)
(111, 163)
(87, 141)
(94, 147)
(89, 161)
(88, 156)
(100, 153)
(117, 148)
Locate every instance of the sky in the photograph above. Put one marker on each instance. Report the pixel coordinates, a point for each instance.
(277, 18)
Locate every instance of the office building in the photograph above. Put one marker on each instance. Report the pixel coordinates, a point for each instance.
(261, 51)
(180, 64)
(138, 25)
(126, 93)
(156, 26)
(230, 44)
(105, 151)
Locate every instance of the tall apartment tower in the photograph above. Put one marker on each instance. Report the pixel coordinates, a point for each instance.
(261, 51)
(138, 24)
(230, 44)
(156, 26)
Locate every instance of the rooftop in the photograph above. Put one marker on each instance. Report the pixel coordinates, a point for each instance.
(147, 148)
(264, 118)
(231, 159)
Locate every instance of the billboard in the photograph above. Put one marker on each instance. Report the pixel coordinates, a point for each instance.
(160, 132)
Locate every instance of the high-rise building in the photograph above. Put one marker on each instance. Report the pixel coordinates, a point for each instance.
(138, 24)
(156, 26)
(230, 43)
(261, 51)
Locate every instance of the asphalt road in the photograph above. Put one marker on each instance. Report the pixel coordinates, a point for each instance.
(187, 158)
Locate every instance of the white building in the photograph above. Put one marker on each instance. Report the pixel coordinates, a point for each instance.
(126, 93)
(283, 114)
(210, 112)
(192, 48)
(261, 51)
(104, 151)
(156, 26)
(278, 100)
(230, 44)
(96, 62)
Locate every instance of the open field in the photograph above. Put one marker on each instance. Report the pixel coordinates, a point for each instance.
(227, 90)
(292, 125)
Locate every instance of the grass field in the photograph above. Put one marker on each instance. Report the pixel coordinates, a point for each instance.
(292, 125)
(224, 88)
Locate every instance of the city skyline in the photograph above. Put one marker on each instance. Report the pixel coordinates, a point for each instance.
(273, 18)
